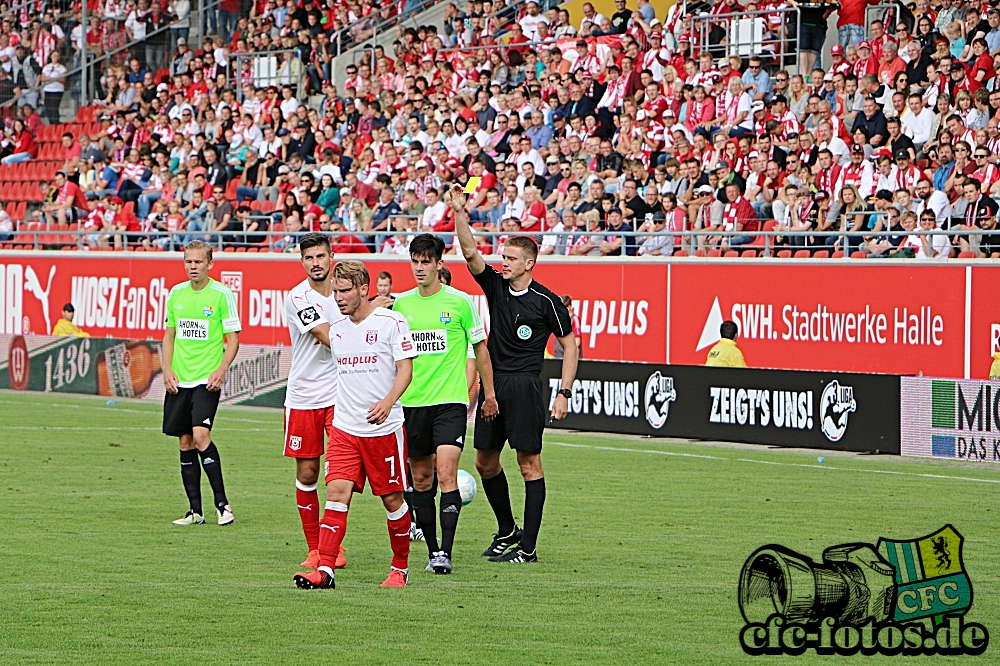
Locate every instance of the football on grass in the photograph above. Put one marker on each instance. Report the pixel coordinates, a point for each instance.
(466, 486)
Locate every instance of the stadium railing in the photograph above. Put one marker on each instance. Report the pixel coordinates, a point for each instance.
(746, 34)
(80, 87)
(366, 49)
(689, 243)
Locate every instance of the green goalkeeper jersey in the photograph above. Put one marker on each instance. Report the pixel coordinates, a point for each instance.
(442, 326)
(201, 319)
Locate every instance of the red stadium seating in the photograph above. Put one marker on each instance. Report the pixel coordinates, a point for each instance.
(821, 254)
(802, 254)
(966, 254)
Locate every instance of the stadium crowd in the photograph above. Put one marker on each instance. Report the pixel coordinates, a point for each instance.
(616, 135)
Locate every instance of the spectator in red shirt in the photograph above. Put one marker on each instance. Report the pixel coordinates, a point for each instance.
(341, 243)
(534, 211)
(24, 144)
(738, 216)
(360, 190)
(69, 197)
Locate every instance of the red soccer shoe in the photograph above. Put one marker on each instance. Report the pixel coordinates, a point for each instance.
(341, 559)
(396, 579)
(314, 580)
(312, 561)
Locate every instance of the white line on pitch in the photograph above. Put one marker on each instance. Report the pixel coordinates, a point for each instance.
(783, 464)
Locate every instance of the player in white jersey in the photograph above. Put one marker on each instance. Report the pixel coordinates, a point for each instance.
(375, 363)
(312, 382)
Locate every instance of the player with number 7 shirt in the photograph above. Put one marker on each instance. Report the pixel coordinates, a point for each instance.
(368, 443)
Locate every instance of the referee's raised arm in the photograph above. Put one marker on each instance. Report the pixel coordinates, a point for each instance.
(456, 199)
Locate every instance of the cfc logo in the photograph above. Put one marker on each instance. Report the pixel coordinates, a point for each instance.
(660, 392)
(207, 311)
(295, 442)
(835, 406)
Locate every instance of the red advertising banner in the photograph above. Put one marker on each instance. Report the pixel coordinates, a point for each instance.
(873, 318)
(888, 316)
(621, 307)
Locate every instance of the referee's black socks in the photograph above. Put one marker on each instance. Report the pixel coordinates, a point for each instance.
(213, 470)
(191, 477)
(423, 507)
(451, 506)
(498, 494)
(534, 500)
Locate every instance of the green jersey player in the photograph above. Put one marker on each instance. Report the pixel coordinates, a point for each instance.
(200, 343)
(443, 322)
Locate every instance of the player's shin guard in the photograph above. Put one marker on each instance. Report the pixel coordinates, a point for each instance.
(534, 500)
(399, 536)
(451, 506)
(213, 470)
(308, 502)
(331, 533)
(191, 477)
(423, 507)
(498, 494)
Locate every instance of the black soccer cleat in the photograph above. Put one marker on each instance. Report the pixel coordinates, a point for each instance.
(501, 544)
(314, 580)
(516, 556)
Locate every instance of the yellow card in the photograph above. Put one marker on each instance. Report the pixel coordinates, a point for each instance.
(473, 183)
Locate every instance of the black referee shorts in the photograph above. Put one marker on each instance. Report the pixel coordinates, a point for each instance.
(521, 420)
(434, 425)
(187, 408)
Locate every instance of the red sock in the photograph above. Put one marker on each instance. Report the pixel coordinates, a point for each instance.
(308, 500)
(331, 533)
(399, 539)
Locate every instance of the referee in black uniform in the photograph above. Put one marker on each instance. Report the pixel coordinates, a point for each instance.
(523, 314)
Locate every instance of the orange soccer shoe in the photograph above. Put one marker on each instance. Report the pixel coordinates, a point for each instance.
(314, 580)
(341, 559)
(396, 578)
(312, 561)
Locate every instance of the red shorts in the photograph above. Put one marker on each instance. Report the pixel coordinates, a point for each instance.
(304, 430)
(381, 460)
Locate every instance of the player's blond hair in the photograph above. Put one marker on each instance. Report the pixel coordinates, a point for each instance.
(200, 245)
(352, 271)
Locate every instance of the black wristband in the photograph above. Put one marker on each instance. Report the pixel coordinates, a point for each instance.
(566, 393)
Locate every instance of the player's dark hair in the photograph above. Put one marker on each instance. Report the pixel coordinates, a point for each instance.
(729, 330)
(526, 244)
(313, 240)
(444, 275)
(428, 246)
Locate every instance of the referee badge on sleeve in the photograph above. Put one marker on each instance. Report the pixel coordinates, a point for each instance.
(308, 315)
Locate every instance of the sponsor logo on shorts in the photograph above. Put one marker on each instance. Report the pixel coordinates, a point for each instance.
(308, 315)
(371, 337)
(524, 332)
(295, 442)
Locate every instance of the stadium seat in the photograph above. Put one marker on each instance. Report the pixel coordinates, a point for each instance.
(228, 249)
(966, 254)
(838, 255)
(715, 253)
(821, 254)
(749, 254)
(231, 190)
(731, 254)
(769, 225)
(241, 249)
(859, 254)
(699, 253)
(681, 253)
(255, 249)
(784, 254)
(802, 254)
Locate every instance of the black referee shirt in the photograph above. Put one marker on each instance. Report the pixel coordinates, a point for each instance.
(521, 322)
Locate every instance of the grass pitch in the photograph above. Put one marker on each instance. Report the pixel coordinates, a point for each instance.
(640, 550)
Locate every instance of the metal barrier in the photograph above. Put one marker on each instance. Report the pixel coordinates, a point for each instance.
(271, 68)
(285, 240)
(751, 33)
(878, 12)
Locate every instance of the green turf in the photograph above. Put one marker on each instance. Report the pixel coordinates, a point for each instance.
(640, 549)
